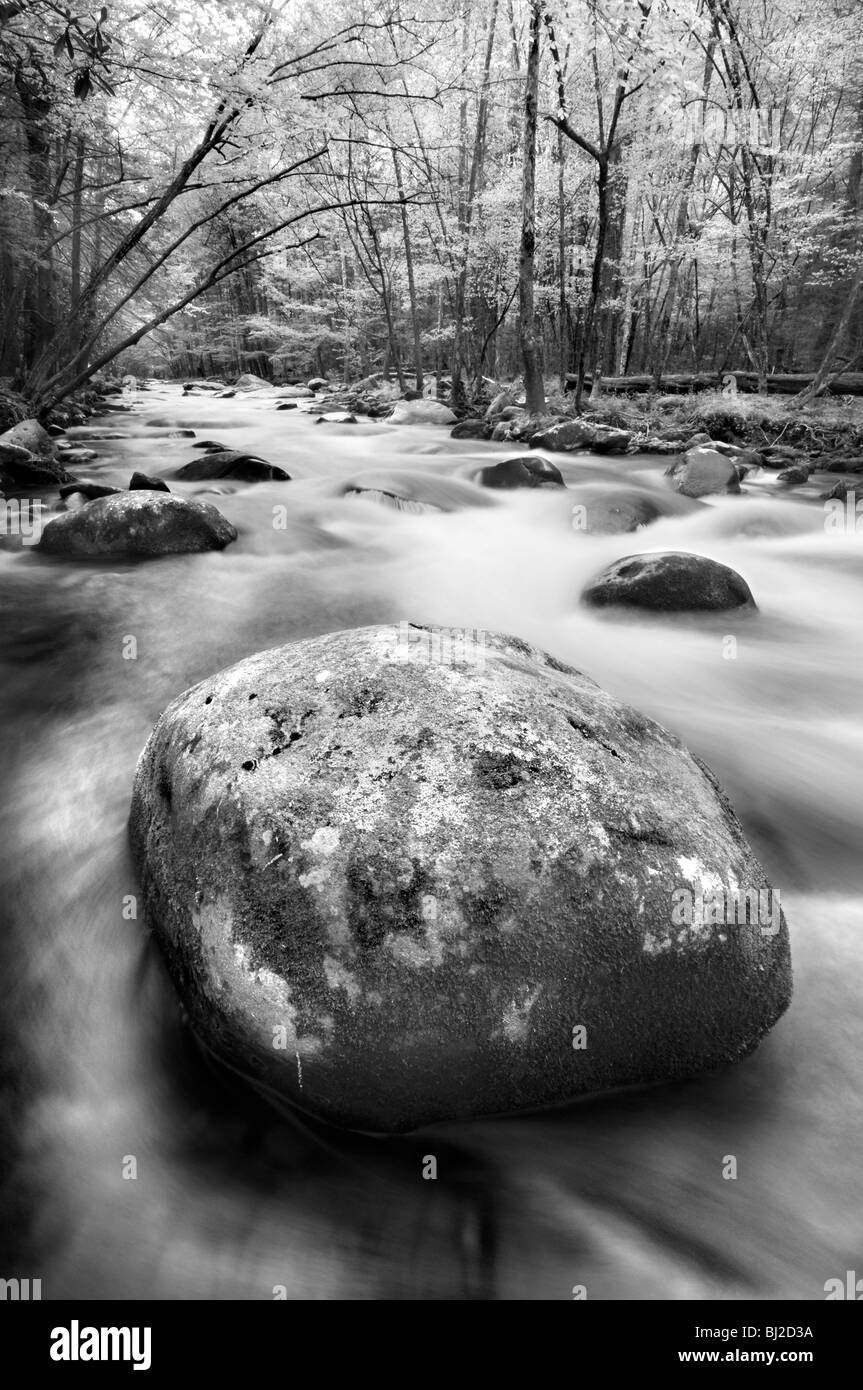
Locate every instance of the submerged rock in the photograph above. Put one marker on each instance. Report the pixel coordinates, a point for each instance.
(79, 456)
(392, 499)
(671, 580)
(137, 523)
(530, 471)
(395, 887)
(412, 491)
(230, 463)
(604, 511)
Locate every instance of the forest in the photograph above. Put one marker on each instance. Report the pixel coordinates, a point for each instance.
(494, 189)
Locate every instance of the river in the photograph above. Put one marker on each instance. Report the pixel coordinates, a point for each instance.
(623, 1196)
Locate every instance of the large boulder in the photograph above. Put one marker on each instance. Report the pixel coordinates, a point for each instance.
(137, 523)
(521, 472)
(570, 435)
(403, 875)
(421, 413)
(249, 382)
(30, 435)
(230, 463)
(671, 580)
(703, 471)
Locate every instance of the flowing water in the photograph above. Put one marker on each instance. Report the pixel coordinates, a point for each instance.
(624, 1195)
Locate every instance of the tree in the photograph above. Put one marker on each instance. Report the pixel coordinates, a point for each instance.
(533, 383)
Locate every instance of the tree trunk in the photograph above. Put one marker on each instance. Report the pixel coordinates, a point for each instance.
(409, 263)
(562, 298)
(822, 376)
(37, 327)
(75, 252)
(533, 384)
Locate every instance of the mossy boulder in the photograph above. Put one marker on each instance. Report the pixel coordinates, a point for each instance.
(395, 870)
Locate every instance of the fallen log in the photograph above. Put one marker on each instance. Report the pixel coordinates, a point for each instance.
(778, 383)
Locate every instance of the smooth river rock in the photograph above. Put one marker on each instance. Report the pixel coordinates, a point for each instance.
(421, 413)
(530, 471)
(670, 580)
(403, 875)
(230, 463)
(605, 511)
(703, 471)
(137, 523)
(140, 481)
